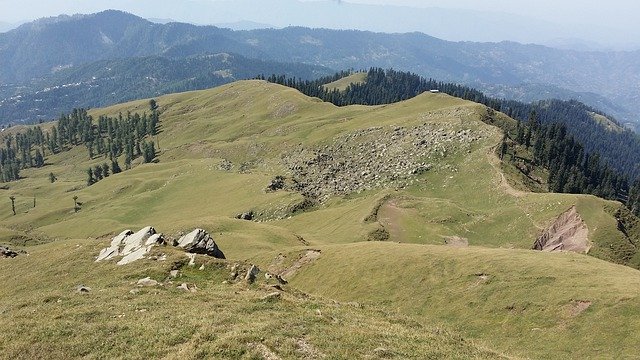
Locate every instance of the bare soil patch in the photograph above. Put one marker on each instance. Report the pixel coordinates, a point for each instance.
(307, 258)
(567, 233)
(456, 241)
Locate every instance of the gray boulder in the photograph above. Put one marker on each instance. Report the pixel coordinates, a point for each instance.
(200, 242)
(147, 282)
(81, 289)
(252, 273)
(6, 252)
(245, 216)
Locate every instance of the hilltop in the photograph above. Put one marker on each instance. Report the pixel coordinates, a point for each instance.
(401, 213)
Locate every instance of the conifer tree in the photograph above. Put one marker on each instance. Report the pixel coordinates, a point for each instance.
(97, 173)
(90, 179)
(115, 167)
(39, 159)
(105, 170)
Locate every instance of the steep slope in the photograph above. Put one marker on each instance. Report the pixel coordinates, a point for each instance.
(421, 173)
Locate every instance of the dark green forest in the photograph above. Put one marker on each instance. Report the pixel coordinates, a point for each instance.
(128, 136)
(108, 82)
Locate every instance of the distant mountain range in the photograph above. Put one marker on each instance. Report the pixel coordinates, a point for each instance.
(39, 52)
(440, 19)
(107, 82)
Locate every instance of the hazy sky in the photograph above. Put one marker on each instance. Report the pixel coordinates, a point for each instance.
(618, 19)
(612, 13)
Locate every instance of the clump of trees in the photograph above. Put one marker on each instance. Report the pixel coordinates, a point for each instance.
(97, 173)
(129, 136)
(20, 151)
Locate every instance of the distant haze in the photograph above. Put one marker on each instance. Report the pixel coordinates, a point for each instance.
(584, 25)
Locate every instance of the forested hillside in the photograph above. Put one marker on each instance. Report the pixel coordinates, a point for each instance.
(127, 136)
(112, 81)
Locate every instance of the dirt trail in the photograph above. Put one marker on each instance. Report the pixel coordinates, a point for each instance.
(307, 258)
(389, 217)
(503, 183)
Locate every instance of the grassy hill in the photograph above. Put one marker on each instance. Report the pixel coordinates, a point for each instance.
(343, 83)
(421, 173)
(528, 305)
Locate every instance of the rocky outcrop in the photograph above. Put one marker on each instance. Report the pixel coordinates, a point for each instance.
(252, 273)
(7, 253)
(371, 158)
(245, 216)
(131, 246)
(200, 242)
(567, 233)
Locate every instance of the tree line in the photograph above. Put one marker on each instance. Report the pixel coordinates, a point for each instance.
(129, 136)
(571, 168)
(541, 128)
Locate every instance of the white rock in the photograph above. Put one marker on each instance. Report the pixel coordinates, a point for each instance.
(133, 256)
(134, 241)
(118, 239)
(147, 282)
(155, 239)
(192, 259)
(186, 287)
(107, 253)
(114, 249)
(252, 273)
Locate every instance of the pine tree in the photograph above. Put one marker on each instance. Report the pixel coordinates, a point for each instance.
(13, 204)
(149, 151)
(105, 170)
(39, 159)
(520, 133)
(97, 173)
(115, 167)
(90, 178)
(503, 147)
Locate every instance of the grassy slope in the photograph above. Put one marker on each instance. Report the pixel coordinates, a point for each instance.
(343, 83)
(527, 305)
(44, 318)
(253, 123)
